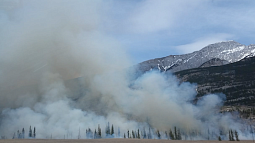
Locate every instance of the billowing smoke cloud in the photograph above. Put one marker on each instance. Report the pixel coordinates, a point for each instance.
(60, 72)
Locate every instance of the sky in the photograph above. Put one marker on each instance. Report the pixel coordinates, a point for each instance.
(157, 28)
(148, 29)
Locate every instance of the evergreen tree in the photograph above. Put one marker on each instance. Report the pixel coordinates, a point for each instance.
(99, 132)
(175, 134)
(79, 134)
(251, 132)
(34, 133)
(149, 134)
(30, 132)
(179, 135)
(112, 130)
(158, 134)
(219, 138)
(133, 134)
(89, 133)
(118, 131)
(208, 134)
(95, 134)
(128, 133)
(229, 136)
(23, 133)
(107, 130)
(171, 135)
(19, 135)
(138, 135)
(232, 135)
(236, 135)
(166, 135)
(144, 133)
(14, 136)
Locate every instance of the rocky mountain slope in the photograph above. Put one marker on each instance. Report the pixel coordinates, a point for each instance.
(223, 52)
(235, 80)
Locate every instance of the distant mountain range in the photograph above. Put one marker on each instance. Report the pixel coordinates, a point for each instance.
(224, 67)
(222, 53)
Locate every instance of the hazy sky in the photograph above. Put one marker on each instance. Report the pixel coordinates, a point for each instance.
(156, 28)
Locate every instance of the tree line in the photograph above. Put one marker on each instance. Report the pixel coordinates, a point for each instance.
(171, 134)
(21, 134)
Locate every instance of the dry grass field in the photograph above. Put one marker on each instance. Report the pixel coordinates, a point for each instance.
(108, 141)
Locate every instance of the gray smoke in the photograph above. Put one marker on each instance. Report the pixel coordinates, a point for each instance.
(59, 71)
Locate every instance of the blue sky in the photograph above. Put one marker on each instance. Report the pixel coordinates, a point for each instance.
(149, 29)
(157, 28)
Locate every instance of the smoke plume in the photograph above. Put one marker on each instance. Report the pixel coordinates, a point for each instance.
(61, 72)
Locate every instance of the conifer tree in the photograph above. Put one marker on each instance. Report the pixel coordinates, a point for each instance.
(112, 130)
(232, 135)
(107, 130)
(79, 134)
(89, 133)
(133, 134)
(166, 135)
(23, 133)
(149, 134)
(144, 133)
(95, 134)
(171, 135)
(252, 133)
(18, 134)
(99, 132)
(175, 134)
(179, 135)
(158, 134)
(229, 136)
(208, 134)
(138, 135)
(219, 138)
(13, 137)
(236, 135)
(30, 132)
(34, 133)
(118, 131)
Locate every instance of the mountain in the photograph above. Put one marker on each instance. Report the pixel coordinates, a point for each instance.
(222, 53)
(214, 62)
(235, 80)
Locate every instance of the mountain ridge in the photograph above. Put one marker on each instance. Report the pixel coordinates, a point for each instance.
(230, 51)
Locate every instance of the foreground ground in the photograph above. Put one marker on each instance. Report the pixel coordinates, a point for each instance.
(108, 141)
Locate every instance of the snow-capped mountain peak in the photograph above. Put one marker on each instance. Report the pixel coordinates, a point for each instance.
(229, 51)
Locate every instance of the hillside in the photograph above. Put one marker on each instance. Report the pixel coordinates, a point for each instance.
(236, 81)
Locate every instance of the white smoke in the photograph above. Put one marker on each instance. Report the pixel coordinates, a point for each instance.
(60, 72)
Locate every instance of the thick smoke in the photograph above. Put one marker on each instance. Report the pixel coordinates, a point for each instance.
(60, 72)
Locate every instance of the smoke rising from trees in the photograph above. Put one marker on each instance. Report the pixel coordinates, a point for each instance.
(60, 72)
